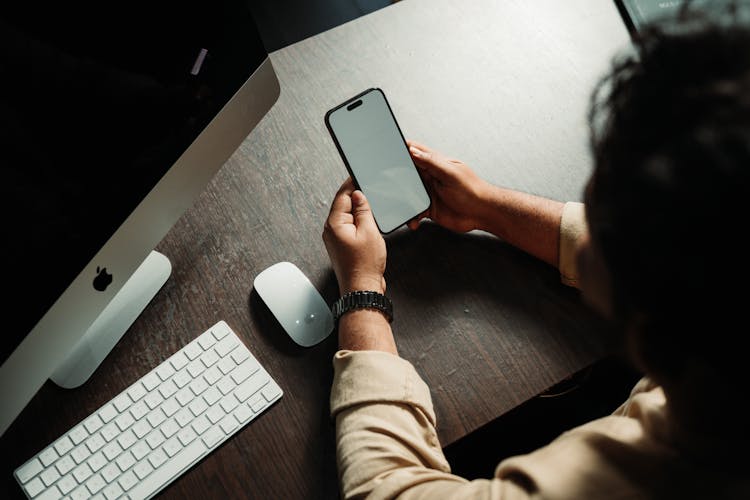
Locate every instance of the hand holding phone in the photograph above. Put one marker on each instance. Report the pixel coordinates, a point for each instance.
(374, 151)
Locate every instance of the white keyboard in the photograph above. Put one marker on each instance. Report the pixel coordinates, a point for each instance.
(153, 431)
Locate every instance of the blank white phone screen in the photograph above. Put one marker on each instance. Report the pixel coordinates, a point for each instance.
(372, 144)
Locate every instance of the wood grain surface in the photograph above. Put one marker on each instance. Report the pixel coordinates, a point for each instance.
(503, 86)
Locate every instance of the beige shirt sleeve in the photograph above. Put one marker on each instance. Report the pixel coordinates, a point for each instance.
(386, 442)
(387, 446)
(573, 227)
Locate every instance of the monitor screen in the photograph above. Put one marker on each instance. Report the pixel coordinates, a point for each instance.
(99, 101)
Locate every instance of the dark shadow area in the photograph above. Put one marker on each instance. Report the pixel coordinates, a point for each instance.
(441, 273)
(283, 23)
(589, 394)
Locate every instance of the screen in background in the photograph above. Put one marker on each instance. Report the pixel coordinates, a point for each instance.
(98, 102)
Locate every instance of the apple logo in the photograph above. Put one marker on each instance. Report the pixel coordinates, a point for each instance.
(103, 279)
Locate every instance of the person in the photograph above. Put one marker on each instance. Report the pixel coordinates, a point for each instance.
(656, 247)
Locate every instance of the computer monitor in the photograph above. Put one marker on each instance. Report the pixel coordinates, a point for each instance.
(114, 117)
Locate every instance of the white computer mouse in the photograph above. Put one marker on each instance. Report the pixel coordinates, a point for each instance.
(295, 303)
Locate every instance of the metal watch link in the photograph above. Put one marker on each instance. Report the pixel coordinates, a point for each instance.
(362, 300)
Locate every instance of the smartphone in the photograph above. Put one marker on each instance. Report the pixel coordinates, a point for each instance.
(375, 153)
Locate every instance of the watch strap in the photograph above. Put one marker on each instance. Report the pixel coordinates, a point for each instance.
(362, 299)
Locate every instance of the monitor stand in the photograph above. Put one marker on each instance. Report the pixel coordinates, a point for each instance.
(113, 321)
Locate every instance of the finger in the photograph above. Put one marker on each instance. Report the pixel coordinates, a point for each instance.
(432, 163)
(342, 202)
(419, 146)
(362, 212)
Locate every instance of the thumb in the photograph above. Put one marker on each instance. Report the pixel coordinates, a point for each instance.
(361, 210)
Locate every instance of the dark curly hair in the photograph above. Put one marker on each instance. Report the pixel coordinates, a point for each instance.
(668, 203)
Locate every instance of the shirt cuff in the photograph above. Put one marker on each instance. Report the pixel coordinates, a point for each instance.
(371, 377)
(573, 227)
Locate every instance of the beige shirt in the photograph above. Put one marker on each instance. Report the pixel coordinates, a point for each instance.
(387, 445)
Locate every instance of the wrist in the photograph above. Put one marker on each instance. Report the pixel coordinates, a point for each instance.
(362, 284)
(486, 201)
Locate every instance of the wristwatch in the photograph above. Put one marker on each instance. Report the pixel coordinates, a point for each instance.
(362, 300)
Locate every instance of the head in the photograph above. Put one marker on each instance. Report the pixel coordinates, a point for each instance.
(668, 203)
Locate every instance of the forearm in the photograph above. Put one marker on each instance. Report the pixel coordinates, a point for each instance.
(528, 222)
(366, 330)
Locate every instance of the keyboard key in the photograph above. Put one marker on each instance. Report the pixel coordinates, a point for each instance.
(143, 469)
(206, 341)
(65, 465)
(127, 481)
(127, 439)
(179, 360)
(29, 470)
(108, 412)
(169, 428)
(95, 442)
(80, 493)
(193, 350)
(78, 435)
(271, 392)
(183, 417)
(140, 450)
(172, 447)
(198, 386)
(167, 389)
(226, 346)
(112, 450)
(63, 445)
(213, 437)
(220, 330)
(124, 421)
(82, 472)
(141, 428)
(66, 484)
(49, 476)
(112, 491)
(156, 417)
(34, 487)
(125, 460)
(186, 435)
(226, 365)
(153, 400)
(93, 424)
(212, 375)
(182, 378)
(97, 461)
(198, 406)
(150, 381)
(243, 414)
(48, 456)
(165, 371)
(137, 391)
(170, 469)
(148, 434)
(170, 407)
(80, 453)
(201, 424)
(95, 484)
(157, 458)
(122, 402)
(240, 355)
(155, 439)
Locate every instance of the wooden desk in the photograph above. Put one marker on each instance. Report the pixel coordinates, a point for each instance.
(503, 86)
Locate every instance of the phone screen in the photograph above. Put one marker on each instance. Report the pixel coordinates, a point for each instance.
(375, 153)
